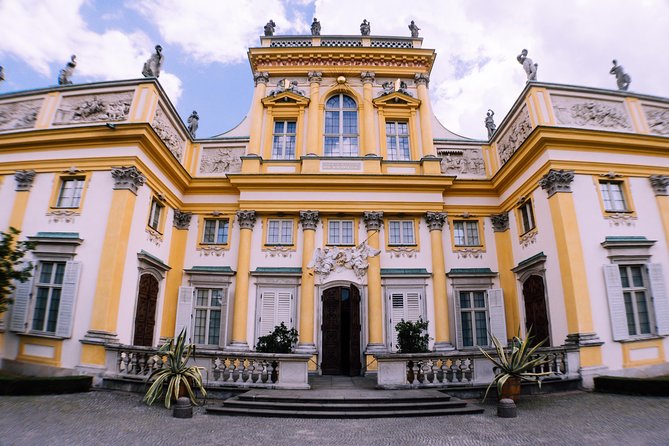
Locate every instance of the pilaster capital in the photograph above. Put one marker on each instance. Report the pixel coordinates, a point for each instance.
(127, 178)
(500, 222)
(309, 220)
(583, 340)
(660, 184)
(246, 219)
(557, 181)
(315, 77)
(435, 220)
(181, 219)
(24, 179)
(421, 79)
(373, 220)
(367, 77)
(260, 77)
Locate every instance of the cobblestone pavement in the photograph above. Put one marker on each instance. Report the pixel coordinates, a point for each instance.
(121, 419)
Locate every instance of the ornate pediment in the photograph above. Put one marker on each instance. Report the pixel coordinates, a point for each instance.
(285, 99)
(396, 99)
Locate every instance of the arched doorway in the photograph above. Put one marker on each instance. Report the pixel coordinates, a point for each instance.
(341, 331)
(536, 313)
(145, 314)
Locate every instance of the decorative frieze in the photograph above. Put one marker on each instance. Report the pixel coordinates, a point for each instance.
(328, 260)
(153, 236)
(660, 184)
(367, 77)
(127, 178)
(528, 239)
(590, 113)
(516, 134)
(168, 134)
(557, 181)
(212, 250)
(246, 219)
(620, 219)
(109, 107)
(221, 160)
(278, 251)
(403, 251)
(421, 79)
(373, 220)
(24, 179)
(181, 219)
(62, 216)
(466, 253)
(500, 222)
(465, 161)
(261, 77)
(315, 77)
(435, 220)
(309, 220)
(658, 119)
(336, 61)
(19, 115)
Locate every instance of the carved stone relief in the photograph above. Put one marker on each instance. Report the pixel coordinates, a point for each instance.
(474, 253)
(463, 161)
(166, 131)
(514, 136)
(213, 250)
(591, 113)
(402, 251)
(658, 119)
(278, 251)
(62, 216)
(328, 260)
(19, 115)
(221, 160)
(107, 107)
(620, 219)
(154, 236)
(528, 239)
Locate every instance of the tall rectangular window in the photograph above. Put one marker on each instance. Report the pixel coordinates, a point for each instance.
(474, 318)
(209, 311)
(613, 196)
(397, 140)
(279, 232)
(340, 232)
(156, 212)
(526, 216)
(283, 144)
(636, 297)
(69, 195)
(48, 292)
(401, 232)
(466, 233)
(215, 231)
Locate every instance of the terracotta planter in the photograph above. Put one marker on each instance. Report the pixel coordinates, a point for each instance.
(511, 389)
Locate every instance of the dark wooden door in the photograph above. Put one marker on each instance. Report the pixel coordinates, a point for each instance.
(341, 332)
(145, 316)
(536, 314)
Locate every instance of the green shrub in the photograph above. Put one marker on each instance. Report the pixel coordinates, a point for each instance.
(281, 340)
(412, 337)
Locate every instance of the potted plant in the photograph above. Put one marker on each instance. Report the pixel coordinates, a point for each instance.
(176, 374)
(515, 364)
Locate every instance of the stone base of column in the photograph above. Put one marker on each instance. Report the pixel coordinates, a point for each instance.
(373, 348)
(583, 340)
(443, 346)
(238, 346)
(306, 348)
(100, 337)
(588, 374)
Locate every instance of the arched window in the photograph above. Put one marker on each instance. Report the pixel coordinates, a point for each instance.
(341, 126)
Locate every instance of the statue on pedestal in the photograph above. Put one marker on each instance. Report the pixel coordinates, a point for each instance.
(193, 121)
(490, 123)
(414, 29)
(269, 28)
(154, 64)
(316, 28)
(529, 67)
(622, 79)
(365, 27)
(65, 74)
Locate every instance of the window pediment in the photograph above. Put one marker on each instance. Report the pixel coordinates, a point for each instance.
(396, 99)
(285, 99)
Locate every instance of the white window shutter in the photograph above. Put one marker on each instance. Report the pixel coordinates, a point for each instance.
(68, 296)
(497, 316)
(614, 291)
(184, 310)
(458, 320)
(284, 308)
(22, 292)
(267, 312)
(413, 312)
(397, 313)
(658, 290)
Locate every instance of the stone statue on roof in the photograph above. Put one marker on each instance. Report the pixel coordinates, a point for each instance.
(65, 74)
(193, 122)
(365, 27)
(316, 28)
(414, 29)
(154, 64)
(2, 73)
(529, 67)
(490, 123)
(622, 79)
(269, 28)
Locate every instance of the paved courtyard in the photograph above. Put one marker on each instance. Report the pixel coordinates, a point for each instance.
(121, 419)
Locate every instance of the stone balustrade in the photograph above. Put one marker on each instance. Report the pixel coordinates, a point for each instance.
(220, 368)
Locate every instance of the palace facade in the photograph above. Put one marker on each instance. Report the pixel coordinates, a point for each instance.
(339, 206)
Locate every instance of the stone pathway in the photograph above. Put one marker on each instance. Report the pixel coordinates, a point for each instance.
(116, 418)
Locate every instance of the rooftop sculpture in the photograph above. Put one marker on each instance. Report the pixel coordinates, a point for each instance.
(529, 67)
(269, 28)
(622, 79)
(414, 29)
(365, 27)
(154, 64)
(65, 74)
(193, 122)
(490, 123)
(316, 28)
(2, 73)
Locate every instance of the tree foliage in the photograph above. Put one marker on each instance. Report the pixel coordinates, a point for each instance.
(281, 340)
(12, 264)
(412, 337)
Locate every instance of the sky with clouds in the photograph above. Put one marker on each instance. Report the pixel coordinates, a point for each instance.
(205, 44)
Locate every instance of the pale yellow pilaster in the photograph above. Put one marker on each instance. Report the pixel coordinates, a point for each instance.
(313, 130)
(246, 220)
(373, 221)
(427, 142)
(255, 115)
(660, 184)
(442, 334)
(369, 147)
(309, 221)
(24, 181)
(505, 263)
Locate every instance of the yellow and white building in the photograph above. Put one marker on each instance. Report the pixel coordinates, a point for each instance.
(339, 206)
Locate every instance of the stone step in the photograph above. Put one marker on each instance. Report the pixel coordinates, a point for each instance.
(273, 398)
(343, 405)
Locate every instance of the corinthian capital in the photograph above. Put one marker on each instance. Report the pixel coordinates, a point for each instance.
(315, 77)
(421, 79)
(373, 220)
(435, 220)
(500, 222)
(24, 179)
(309, 219)
(246, 219)
(181, 219)
(261, 77)
(367, 76)
(127, 178)
(659, 183)
(557, 181)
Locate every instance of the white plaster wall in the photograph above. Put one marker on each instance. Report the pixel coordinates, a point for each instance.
(7, 194)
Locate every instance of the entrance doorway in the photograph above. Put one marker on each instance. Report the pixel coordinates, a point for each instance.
(145, 316)
(341, 331)
(536, 314)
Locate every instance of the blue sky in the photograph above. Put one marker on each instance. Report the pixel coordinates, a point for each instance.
(205, 44)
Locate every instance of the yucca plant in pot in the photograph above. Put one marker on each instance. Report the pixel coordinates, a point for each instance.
(516, 364)
(176, 378)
